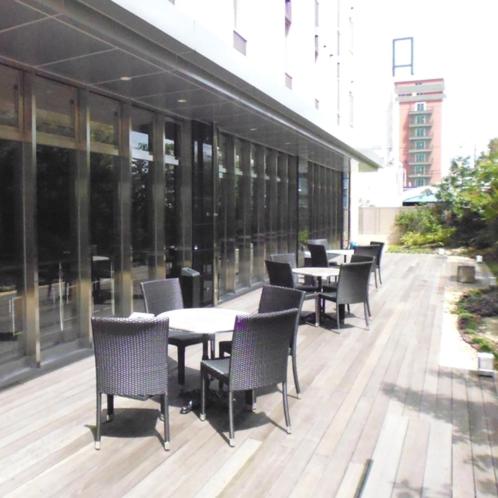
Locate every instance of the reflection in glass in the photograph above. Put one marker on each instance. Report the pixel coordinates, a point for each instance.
(303, 202)
(222, 218)
(11, 325)
(57, 257)
(171, 181)
(9, 97)
(55, 108)
(104, 120)
(202, 208)
(239, 215)
(141, 141)
(103, 237)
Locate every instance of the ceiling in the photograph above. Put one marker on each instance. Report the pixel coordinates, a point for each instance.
(74, 42)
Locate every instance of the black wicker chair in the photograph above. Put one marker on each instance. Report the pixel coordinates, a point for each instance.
(131, 360)
(372, 252)
(260, 349)
(290, 259)
(277, 299)
(356, 258)
(379, 256)
(352, 287)
(166, 295)
(319, 257)
(319, 242)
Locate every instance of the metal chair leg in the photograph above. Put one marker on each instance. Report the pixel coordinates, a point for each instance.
(337, 316)
(165, 413)
(212, 341)
(97, 430)
(368, 308)
(202, 414)
(231, 436)
(380, 278)
(294, 371)
(365, 312)
(286, 408)
(110, 408)
(181, 366)
(375, 276)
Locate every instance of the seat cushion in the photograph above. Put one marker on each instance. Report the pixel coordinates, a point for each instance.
(217, 368)
(177, 337)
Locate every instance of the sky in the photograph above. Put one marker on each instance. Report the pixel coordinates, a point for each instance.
(453, 39)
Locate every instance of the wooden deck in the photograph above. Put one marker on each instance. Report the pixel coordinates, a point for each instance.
(387, 406)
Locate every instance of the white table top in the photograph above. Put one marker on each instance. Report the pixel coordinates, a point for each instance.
(334, 253)
(313, 271)
(202, 320)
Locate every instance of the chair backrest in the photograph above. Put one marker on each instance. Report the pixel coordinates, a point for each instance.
(280, 273)
(356, 258)
(371, 251)
(319, 242)
(285, 257)
(275, 298)
(131, 355)
(260, 347)
(381, 244)
(352, 286)
(318, 255)
(162, 295)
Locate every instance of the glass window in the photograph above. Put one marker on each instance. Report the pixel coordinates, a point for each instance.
(104, 121)
(171, 181)
(9, 97)
(11, 274)
(57, 255)
(141, 164)
(55, 108)
(104, 236)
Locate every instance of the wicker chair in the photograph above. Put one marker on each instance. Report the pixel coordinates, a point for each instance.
(352, 287)
(259, 358)
(277, 299)
(319, 242)
(290, 259)
(356, 258)
(371, 251)
(166, 295)
(319, 256)
(131, 360)
(379, 256)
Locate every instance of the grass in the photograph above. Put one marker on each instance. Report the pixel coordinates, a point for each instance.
(410, 249)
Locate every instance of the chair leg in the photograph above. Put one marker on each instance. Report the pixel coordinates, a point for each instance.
(202, 414)
(110, 408)
(380, 278)
(375, 275)
(165, 414)
(294, 371)
(365, 312)
(337, 316)
(368, 308)
(181, 366)
(212, 341)
(97, 430)
(231, 435)
(286, 407)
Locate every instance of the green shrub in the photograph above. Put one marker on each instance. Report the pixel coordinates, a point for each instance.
(423, 227)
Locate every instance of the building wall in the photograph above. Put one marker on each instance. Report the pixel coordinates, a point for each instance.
(207, 26)
(429, 95)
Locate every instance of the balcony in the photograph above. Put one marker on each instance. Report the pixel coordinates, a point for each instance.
(417, 113)
(420, 125)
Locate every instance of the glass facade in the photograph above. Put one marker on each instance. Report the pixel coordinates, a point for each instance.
(101, 194)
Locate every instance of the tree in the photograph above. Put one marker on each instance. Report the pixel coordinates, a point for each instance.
(470, 198)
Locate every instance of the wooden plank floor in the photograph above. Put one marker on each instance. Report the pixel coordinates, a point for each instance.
(378, 407)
